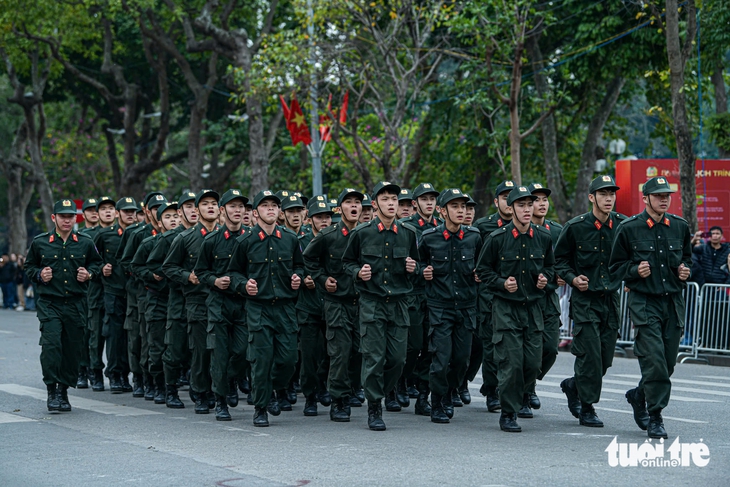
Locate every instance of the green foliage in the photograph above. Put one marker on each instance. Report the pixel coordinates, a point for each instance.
(719, 127)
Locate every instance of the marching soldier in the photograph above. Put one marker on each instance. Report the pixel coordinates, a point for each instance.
(550, 304)
(449, 253)
(486, 226)
(157, 290)
(516, 263)
(418, 357)
(380, 256)
(323, 260)
(266, 266)
(108, 242)
(91, 222)
(471, 209)
(581, 258)
(310, 315)
(227, 333)
(367, 209)
(405, 204)
(176, 339)
(179, 266)
(653, 255)
(60, 263)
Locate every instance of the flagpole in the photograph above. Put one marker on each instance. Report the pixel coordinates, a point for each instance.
(314, 109)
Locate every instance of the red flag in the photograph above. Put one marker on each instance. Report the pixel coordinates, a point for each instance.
(325, 127)
(343, 111)
(295, 122)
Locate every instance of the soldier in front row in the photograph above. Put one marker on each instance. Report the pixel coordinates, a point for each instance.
(60, 264)
(652, 254)
(516, 264)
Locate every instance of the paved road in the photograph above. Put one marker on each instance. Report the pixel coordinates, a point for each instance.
(118, 440)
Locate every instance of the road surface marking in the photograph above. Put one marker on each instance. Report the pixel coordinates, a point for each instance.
(13, 418)
(665, 417)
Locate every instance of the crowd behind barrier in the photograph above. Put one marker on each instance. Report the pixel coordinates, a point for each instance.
(707, 320)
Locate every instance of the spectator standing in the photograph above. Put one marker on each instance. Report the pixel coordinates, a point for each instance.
(8, 270)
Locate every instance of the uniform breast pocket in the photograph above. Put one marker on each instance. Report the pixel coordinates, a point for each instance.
(399, 260)
(78, 260)
(440, 263)
(284, 259)
(466, 261)
(587, 254)
(258, 266)
(537, 261)
(643, 250)
(675, 247)
(509, 265)
(373, 256)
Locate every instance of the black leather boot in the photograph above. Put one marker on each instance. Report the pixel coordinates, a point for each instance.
(232, 396)
(115, 384)
(338, 413)
(464, 393)
(52, 403)
(354, 402)
(525, 411)
(244, 385)
(492, 395)
(148, 387)
(160, 392)
(571, 392)
(588, 416)
(310, 405)
(221, 409)
(325, 399)
(291, 393)
(273, 406)
(260, 417)
(83, 381)
(126, 386)
(97, 384)
(456, 399)
(63, 405)
(375, 416)
(447, 404)
(211, 399)
(438, 415)
(401, 393)
(391, 404)
(172, 400)
(283, 400)
(508, 423)
(638, 404)
(656, 426)
(201, 403)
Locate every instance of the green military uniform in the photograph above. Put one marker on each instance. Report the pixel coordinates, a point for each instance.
(175, 338)
(656, 304)
(108, 241)
(584, 248)
(516, 317)
(486, 226)
(62, 303)
(418, 357)
(84, 367)
(312, 325)
(95, 315)
(136, 323)
(227, 332)
(384, 319)
(323, 259)
(178, 266)
(271, 260)
(452, 300)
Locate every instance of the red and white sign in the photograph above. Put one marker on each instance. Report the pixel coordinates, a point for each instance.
(712, 181)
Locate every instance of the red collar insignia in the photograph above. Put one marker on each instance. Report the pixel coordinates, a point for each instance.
(262, 235)
(500, 223)
(227, 234)
(666, 221)
(120, 231)
(547, 226)
(203, 231)
(395, 228)
(73, 236)
(515, 233)
(447, 235)
(532, 232)
(461, 234)
(598, 225)
(278, 234)
(610, 224)
(50, 240)
(381, 227)
(345, 232)
(650, 222)
(421, 222)
(154, 232)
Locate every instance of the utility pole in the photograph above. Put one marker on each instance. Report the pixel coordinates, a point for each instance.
(314, 109)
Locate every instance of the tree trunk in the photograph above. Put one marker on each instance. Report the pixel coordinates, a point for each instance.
(195, 140)
(682, 132)
(718, 81)
(588, 156)
(20, 190)
(553, 171)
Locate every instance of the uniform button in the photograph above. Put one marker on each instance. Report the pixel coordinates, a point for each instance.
(385, 282)
(386, 243)
(662, 265)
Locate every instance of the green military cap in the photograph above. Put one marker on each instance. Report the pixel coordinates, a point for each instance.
(304, 199)
(185, 197)
(385, 186)
(440, 196)
(151, 196)
(232, 194)
(538, 188)
(126, 203)
(518, 193)
(424, 188)
(470, 201)
(657, 185)
(367, 201)
(167, 205)
(205, 193)
(405, 195)
(105, 199)
(319, 197)
(283, 194)
(334, 206)
(64, 207)
(265, 195)
(90, 203)
(316, 207)
(504, 186)
(452, 194)
(603, 182)
(347, 192)
(140, 207)
(292, 201)
(155, 201)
